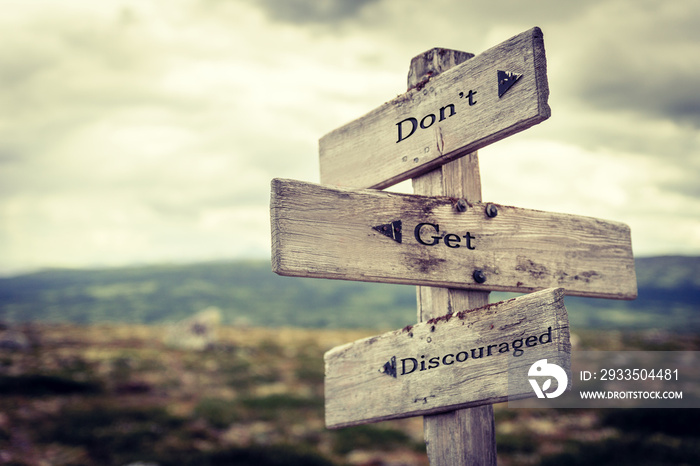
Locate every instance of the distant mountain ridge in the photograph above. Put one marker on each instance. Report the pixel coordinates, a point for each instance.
(248, 293)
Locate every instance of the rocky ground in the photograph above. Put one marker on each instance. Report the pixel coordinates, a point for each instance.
(148, 395)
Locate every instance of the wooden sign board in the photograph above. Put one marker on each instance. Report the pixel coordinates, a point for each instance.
(455, 361)
(487, 98)
(376, 236)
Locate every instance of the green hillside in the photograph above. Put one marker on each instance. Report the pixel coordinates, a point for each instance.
(247, 292)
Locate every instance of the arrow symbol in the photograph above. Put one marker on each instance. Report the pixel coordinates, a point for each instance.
(392, 230)
(506, 79)
(389, 367)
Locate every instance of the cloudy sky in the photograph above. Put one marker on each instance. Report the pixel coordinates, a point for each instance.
(145, 131)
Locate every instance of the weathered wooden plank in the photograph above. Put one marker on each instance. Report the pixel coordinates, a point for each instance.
(367, 235)
(458, 360)
(450, 115)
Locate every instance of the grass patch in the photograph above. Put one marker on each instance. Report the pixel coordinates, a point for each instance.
(668, 421)
(37, 385)
(111, 434)
(516, 443)
(369, 438)
(637, 451)
(272, 407)
(222, 413)
(273, 455)
(311, 369)
(219, 413)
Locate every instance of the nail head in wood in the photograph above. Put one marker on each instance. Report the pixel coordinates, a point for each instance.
(491, 210)
(462, 205)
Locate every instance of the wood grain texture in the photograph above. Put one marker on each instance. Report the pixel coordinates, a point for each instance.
(433, 62)
(324, 232)
(458, 360)
(367, 153)
(465, 436)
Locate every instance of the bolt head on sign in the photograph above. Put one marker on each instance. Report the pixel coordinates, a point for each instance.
(500, 92)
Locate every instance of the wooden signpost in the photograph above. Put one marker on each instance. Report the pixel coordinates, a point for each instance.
(376, 236)
(498, 93)
(452, 366)
(455, 361)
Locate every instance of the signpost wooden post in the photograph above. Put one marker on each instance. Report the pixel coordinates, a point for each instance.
(448, 242)
(466, 436)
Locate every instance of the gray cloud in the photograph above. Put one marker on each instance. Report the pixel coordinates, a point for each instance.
(122, 126)
(640, 59)
(667, 90)
(509, 11)
(313, 11)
